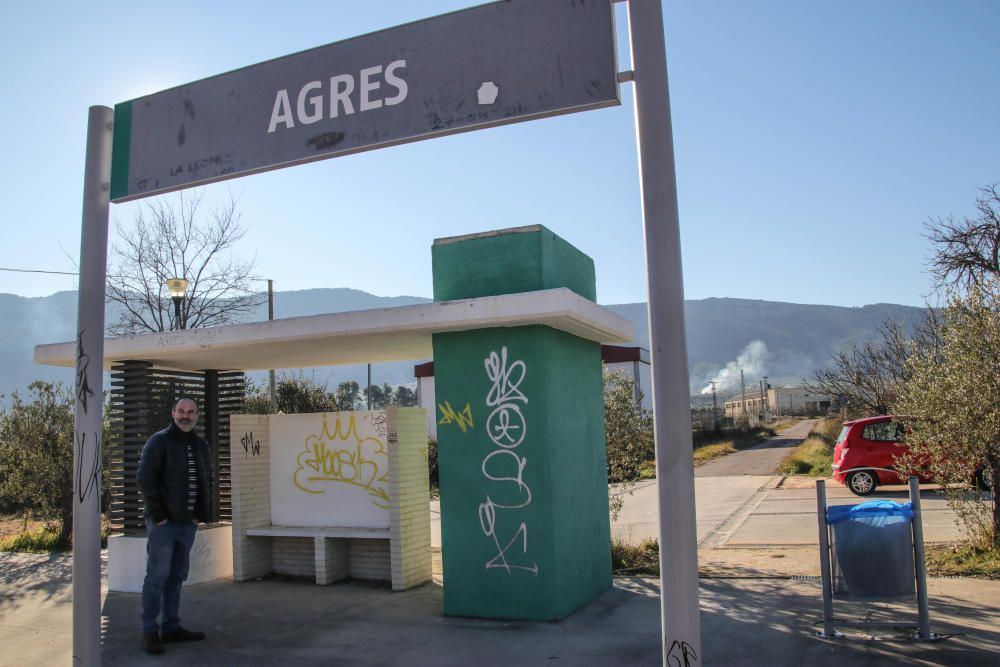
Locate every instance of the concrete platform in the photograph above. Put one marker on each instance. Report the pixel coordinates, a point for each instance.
(759, 606)
(747, 619)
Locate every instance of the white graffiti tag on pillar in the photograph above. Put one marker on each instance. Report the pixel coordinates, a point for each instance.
(506, 428)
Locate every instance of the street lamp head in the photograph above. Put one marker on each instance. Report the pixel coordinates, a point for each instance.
(177, 287)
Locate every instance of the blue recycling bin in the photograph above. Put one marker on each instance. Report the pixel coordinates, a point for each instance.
(872, 549)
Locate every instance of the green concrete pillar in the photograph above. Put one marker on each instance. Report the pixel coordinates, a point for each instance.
(524, 499)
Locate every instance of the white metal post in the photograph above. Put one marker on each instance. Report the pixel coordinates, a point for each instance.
(920, 565)
(826, 576)
(679, 608)
(90, 391)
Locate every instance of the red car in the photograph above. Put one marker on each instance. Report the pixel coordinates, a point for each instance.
(866, 451)
(865, 454)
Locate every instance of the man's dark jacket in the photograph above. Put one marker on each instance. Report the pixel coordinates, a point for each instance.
(163, 476)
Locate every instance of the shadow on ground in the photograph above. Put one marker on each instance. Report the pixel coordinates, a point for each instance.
(42, 578)
(753, 617)
(275, 622)
(748, 618)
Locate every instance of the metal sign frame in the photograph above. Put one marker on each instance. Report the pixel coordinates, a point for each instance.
(490, 65)
(681, 634)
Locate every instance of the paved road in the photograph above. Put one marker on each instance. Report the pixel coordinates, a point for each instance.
(756, 508)
(760, 460)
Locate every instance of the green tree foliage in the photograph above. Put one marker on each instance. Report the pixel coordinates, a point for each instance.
(36, 454)
(381, 397)
(386, 395)
(297, 394)
(628, 430)
(292, 394)
(348, 396)
(953, 393)
(406, 397)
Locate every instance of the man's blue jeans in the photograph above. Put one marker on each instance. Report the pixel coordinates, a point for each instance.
(168, 550)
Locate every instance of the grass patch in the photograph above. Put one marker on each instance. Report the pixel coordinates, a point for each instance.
(814, 455)
(40, 536)
(827, 430)
(706, 453)
(631, 559)
(963, 560)
(40, 539)
(647, 470)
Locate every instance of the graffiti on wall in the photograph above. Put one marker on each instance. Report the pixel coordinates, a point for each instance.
(251, 445)
(462, 419)
(506, 428)
(339, 455)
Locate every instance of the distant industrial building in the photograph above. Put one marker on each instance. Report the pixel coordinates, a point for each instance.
(776, 402)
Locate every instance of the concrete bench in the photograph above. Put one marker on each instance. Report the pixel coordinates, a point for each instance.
(331, 547)
(360, 480)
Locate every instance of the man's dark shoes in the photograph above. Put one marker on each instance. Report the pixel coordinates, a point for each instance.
(181, 635)
(151, 643)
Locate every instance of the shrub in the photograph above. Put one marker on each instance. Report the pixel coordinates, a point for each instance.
(41, 539)
(628, 431)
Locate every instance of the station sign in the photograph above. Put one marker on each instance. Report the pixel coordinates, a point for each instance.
(489, 65)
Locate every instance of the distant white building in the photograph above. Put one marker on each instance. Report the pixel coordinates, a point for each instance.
(777, 402)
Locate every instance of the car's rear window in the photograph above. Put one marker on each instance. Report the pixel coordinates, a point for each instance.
(883, 432)
(842, 436)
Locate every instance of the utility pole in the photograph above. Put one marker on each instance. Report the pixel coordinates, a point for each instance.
(761, 415)
(715, 410)
(270, 317)
(767, 399)
(369, 386)
(743, 391)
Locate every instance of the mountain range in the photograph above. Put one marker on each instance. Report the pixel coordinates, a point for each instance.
(784, 341)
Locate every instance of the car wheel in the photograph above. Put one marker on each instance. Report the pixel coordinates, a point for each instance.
(862, 482)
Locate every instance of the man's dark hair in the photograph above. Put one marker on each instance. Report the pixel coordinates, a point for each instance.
(184, 398)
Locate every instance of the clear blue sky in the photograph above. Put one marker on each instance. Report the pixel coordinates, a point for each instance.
(813, 140)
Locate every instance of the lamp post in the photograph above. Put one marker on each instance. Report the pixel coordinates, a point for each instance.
(176, 287)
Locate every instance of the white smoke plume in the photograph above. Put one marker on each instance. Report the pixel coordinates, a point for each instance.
(752, 361)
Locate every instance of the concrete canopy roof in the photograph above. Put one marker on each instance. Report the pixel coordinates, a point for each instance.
(356, 337)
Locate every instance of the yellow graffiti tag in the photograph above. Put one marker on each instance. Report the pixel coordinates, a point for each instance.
(448, 416)
(343, 457)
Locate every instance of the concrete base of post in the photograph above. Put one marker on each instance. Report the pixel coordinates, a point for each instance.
(211, 558)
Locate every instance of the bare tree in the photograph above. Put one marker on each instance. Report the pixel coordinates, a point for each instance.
(866, 378)
(967, 250)
(169, 239)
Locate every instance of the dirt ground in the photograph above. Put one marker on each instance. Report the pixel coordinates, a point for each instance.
(13, 524)
(756, 563)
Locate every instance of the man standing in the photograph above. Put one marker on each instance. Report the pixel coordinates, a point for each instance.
(175, 481)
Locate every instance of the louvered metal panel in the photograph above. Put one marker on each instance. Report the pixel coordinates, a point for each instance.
(141, 399)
